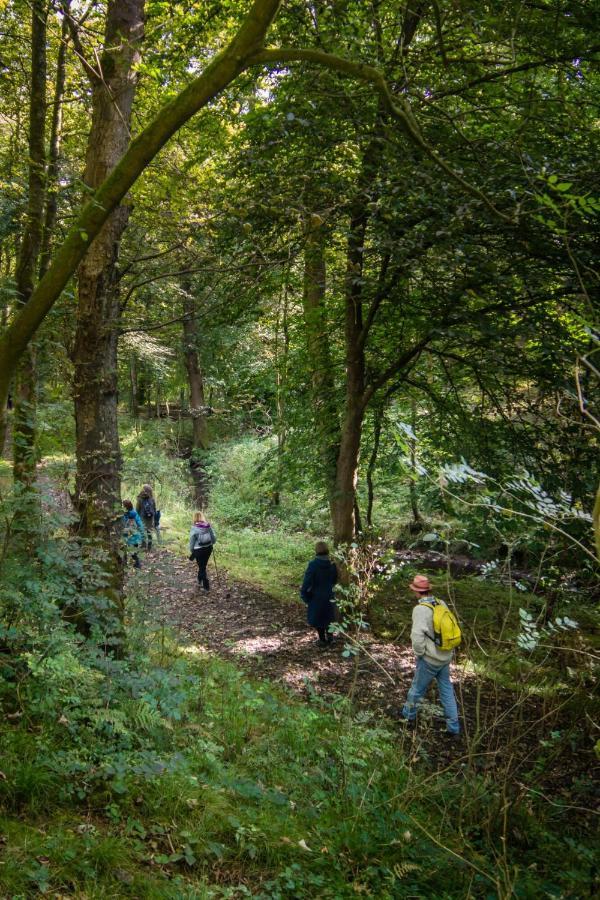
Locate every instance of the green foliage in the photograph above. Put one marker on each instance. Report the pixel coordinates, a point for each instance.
(134, 769)
(168, 774)
(301, 800)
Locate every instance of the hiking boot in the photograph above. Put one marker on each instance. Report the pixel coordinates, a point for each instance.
(321, 644)
(454, 736)
(407, 724)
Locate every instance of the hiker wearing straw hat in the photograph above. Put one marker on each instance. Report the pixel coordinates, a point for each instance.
(433, 660)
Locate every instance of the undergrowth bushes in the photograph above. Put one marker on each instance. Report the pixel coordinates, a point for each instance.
(254, 794)
(169, 774)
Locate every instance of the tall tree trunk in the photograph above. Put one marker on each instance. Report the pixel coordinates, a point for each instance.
(24, 450)
(197, 399)
(194, 372)
(377, 426)
(133, 379)
(347, 463)
(54, 153)
(326, 415)
(417, 521)
(355, 399)
(282, 340)
(98, 477)
(344, 495)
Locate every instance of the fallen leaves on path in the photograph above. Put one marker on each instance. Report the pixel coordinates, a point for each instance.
(271, 639)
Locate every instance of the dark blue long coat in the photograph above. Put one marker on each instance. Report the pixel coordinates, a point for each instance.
(317, 591)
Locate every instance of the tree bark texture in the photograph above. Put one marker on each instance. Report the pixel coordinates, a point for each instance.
(343, 510)
(24, 421)
(98, 477)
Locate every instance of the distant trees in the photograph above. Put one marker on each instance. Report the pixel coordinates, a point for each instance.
(400, 168)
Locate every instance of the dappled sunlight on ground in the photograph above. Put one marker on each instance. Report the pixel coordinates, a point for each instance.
(272, 640)
(253, 645)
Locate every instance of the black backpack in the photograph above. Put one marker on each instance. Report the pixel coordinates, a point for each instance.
(148, 508)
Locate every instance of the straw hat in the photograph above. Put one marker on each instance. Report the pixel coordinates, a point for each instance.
(420, 584)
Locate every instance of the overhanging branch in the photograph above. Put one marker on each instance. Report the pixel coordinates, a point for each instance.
(397, 107)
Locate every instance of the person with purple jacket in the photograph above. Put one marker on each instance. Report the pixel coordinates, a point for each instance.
(202, 538)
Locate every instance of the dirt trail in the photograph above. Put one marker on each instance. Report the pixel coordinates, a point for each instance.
(271, 640)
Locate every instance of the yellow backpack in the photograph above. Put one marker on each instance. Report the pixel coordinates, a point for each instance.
(446, 630)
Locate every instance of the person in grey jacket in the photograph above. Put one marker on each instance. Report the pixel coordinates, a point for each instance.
(432, 661)
(202, 538)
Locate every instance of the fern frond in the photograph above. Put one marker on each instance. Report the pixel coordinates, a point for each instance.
(143, 717)
(401, 870)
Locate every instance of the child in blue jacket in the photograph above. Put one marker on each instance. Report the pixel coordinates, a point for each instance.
(133, 531)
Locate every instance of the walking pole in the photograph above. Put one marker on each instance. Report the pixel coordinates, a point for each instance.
(214, 556)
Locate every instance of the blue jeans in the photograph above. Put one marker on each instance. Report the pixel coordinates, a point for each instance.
(424, 675)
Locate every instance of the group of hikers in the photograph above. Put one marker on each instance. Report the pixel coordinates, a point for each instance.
(435, 631)
(140, 522)
(434, 635)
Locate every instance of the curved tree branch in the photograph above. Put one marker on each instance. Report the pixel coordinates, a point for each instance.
(220, 72)
(397, 107)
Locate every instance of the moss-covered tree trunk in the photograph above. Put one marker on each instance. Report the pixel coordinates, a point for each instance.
(98, 477)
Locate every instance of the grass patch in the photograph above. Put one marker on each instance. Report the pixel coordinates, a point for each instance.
(273, 561)
(257, 794)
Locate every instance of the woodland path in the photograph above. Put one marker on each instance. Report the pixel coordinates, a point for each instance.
(270, 639)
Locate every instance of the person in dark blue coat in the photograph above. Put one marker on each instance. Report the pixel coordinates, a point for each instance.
(317, 592)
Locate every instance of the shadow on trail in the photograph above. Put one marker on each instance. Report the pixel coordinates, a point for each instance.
(271, 638)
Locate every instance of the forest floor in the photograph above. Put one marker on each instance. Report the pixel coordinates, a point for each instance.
(270, 639)
(520, 735)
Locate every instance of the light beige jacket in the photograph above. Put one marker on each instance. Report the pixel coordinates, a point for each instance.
(422, 634)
